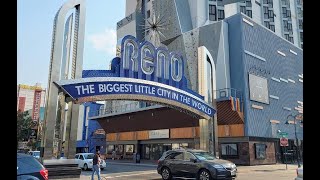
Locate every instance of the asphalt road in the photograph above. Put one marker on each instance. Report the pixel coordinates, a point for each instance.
(124, 172)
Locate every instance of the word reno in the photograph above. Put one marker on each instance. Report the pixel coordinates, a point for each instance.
(145, 61)
(95, 89)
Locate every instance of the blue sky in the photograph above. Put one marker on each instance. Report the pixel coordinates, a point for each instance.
(34, 36)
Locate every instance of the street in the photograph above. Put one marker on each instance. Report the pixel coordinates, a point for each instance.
(139, 172)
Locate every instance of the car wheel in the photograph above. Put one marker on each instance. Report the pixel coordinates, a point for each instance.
(165, 173)
(204, 175)
(85, 167)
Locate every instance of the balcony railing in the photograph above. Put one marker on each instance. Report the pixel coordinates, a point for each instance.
(224, 94)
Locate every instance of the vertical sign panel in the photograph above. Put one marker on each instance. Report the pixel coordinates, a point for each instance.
(36, 104)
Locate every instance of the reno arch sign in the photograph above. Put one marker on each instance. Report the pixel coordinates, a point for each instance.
(143, 73)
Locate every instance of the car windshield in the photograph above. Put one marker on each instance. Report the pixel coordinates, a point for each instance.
(204, 156)
(89, 156)
(36, 153)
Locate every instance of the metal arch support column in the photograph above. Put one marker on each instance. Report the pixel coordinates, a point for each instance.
(208, 128)
(55, 72)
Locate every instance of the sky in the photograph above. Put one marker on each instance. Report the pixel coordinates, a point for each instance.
(34, 36)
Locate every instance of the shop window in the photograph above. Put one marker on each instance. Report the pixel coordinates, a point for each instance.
(260, 150)
(110, 148)
(119, 149)
(229, 150)
(129, 149)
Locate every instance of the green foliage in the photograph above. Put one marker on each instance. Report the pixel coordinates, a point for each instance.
(24, 123)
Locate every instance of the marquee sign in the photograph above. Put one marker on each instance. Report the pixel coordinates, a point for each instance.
(143, 73)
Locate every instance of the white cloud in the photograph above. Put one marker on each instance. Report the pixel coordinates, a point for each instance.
(105, 41)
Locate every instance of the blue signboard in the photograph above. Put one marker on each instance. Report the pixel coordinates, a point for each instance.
(143, 73)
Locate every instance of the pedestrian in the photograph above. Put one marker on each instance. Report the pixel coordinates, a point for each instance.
(113, 154)
(96, 165)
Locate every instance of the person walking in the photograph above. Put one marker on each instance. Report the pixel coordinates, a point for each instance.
(96, 165)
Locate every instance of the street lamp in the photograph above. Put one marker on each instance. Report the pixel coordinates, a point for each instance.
(295, 133)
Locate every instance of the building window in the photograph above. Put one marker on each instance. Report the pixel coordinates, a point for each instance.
(300, 13)
(129, 149)
(220, 14)
(119, 149)
(243, 9)
(270, 13)
(265, 1)
(248, 3)
(284, 2)
(265, 12)
(267, 24)
(299, 2)
(289, 27)
(286, 36)
(285, 25)
(212, 13)
(301, 36)
(148, 13)
(291, 39)
(249, 13)
(260, 150)
(272, 28)
(300, 24)
(229, 150)
(110, 148)
(288, 13)
(284, 12)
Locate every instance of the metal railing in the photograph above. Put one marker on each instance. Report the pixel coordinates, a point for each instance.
(227, 92)
(122, 108)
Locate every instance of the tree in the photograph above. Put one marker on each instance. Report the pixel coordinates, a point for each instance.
(24, 124)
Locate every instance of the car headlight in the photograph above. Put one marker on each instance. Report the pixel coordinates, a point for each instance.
(90, 162)
(233, 166)
(218, 166)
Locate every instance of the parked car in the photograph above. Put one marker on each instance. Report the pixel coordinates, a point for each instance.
(84, 161)
(194, 164)
(35, 154)
(299, 173)
(30, 168)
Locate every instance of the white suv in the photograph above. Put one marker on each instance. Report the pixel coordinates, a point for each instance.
(84, 161)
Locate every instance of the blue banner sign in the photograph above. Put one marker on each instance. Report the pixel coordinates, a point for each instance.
(143, 73)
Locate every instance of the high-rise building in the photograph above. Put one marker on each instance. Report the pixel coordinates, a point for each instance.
(284, 17)
(31, 98)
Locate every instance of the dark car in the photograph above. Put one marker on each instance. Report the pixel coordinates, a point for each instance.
(29, 168)
(194, 164)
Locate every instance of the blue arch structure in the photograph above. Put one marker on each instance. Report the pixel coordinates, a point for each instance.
(143, 73)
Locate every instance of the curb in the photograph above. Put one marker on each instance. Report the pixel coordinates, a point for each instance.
(132, 164)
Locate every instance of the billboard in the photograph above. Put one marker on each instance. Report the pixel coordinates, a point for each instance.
(258, 87)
